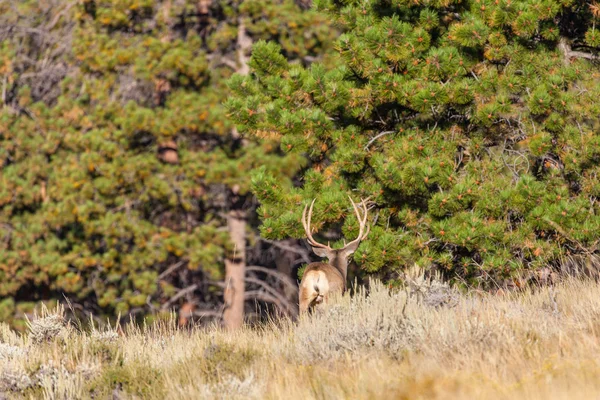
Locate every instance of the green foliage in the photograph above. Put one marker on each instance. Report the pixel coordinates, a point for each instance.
(472, 126)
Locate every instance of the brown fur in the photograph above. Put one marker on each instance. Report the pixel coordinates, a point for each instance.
(334, 282)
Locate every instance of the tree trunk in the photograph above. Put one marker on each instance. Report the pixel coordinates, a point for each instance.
(244, 43)
(235, 266)
(235, 271)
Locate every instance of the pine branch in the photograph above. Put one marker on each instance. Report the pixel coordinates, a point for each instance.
(559, 229)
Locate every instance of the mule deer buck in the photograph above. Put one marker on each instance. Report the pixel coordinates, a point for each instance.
(321, 279)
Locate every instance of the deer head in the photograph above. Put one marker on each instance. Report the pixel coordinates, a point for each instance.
(338, 257)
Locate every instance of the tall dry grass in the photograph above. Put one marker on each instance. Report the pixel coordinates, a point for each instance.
(424, 342)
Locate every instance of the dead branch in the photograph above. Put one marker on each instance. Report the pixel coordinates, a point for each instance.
(282, 302)
(377, 137)
(303, 253)
(59, 15)
(568, 53)
(274, 273)
(262, 296)
(178, 295)
(172, 268)
(207, 313)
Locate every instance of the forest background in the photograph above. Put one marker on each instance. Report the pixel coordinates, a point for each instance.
(158, 154)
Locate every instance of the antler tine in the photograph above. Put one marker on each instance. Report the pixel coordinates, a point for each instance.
(359, 218)
(306, 224)
(364, 204)
(306, 228)
(362, 221)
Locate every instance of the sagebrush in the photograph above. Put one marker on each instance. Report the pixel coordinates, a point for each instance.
(381, 343)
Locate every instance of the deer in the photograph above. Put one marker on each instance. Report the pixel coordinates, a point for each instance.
(321, 279)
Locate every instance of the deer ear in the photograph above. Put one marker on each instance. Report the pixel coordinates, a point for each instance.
(323, 253)
(350, 248)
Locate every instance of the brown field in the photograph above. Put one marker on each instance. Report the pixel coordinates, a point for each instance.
(423, 343)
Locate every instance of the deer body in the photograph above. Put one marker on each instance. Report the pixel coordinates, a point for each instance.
(318, 281)
(322, 279)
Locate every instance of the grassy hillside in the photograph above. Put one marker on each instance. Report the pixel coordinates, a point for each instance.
(438, 344)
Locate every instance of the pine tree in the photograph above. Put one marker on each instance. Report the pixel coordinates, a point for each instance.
(471, 124)
(118, 168)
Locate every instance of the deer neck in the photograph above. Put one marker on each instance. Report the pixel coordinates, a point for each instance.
(340, 263)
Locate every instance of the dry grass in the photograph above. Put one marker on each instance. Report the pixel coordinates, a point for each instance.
(542, 344)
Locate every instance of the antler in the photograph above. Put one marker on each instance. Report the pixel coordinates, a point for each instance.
(362, 222)
(363, 229)
(306, 223)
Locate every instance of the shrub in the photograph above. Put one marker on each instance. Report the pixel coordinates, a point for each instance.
(470, 125)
